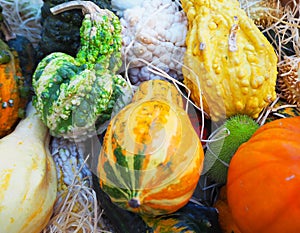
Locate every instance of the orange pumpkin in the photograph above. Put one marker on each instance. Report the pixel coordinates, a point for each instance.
(11, 101)
(264, 179)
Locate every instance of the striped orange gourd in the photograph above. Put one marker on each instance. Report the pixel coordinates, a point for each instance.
(12, 102)
(151, 157)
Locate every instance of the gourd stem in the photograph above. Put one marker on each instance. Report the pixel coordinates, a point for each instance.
(87, 7)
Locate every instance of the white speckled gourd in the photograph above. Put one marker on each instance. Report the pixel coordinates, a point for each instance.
(154, 31)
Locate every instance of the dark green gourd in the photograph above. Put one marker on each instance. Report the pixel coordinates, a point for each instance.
(60, 33)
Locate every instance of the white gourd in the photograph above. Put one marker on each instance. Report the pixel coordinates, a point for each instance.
(28, 184)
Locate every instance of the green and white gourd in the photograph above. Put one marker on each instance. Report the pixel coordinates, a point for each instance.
(74, 94)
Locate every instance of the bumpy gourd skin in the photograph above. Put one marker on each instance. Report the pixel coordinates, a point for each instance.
(72, 94)
(60, 33)
(100, 42)
(235, 64)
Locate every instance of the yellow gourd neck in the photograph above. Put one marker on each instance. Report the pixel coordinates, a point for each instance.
(32, 126)
(158, 90)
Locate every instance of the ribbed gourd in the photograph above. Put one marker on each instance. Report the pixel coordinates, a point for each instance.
(12, 99)
(28, 180)
(228, 60)
(19, 43)
(151, 157)
(263, 179)
(75, 93)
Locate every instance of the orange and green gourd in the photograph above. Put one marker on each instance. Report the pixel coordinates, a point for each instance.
(12, 99)
(151, 157)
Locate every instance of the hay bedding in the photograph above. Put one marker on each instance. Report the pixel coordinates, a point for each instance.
(77, 208)
(24, 18)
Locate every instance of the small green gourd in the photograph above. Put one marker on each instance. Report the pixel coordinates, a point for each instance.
(235, 131)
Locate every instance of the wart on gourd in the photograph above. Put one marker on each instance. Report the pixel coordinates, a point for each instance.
(73, 93)
(12, 98)
(234, 68)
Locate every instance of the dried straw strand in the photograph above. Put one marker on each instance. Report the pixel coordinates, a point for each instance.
(24, 18)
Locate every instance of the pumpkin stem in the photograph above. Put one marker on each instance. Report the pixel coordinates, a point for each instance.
(87, 7)
(134, 203)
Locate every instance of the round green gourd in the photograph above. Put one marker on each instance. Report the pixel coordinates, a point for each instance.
(235, 131)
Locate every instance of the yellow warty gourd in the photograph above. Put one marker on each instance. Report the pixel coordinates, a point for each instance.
(28, 183)
(229, 60)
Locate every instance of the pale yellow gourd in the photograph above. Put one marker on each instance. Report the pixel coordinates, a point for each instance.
(28, 183)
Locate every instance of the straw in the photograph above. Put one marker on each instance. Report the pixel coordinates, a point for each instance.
(24, 18)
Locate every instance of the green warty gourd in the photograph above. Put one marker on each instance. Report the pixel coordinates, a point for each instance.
(74, 94)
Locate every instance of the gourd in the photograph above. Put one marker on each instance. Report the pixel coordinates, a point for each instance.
(154, 32)
(73, 93)
(75, 209)
(69, 159)
(228, 60)
(20, 44)
(263, 179)
(151, 157)
(225, 217)
(60, 33)
(27, 177)
(190, 218)
(282, 109)
(12, 100)
(224, 143)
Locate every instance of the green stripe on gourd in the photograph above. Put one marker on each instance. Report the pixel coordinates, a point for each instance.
(74, 94)
(151, 157)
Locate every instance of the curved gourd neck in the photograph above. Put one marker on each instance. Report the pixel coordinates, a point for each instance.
(32, 126)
